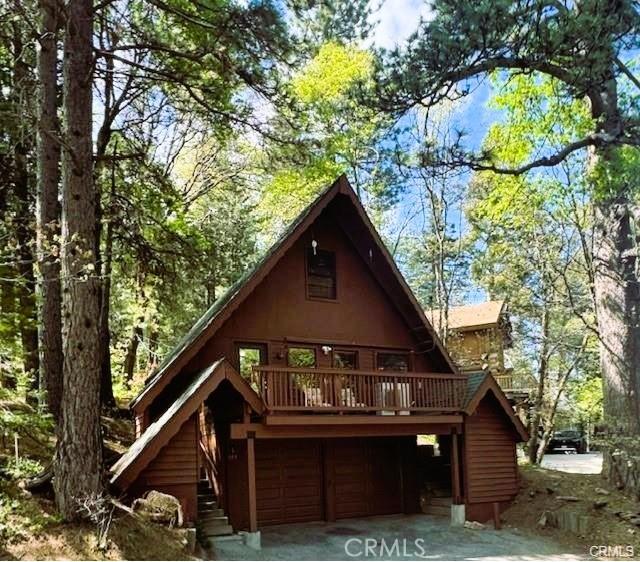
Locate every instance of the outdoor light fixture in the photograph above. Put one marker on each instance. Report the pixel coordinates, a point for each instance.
(314, 245)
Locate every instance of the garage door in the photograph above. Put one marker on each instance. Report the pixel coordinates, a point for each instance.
(288, 481)
(367, 477)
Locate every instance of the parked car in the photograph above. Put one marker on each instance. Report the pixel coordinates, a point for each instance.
(568, 439)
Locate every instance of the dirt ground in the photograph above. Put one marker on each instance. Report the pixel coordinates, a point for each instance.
(540, 492)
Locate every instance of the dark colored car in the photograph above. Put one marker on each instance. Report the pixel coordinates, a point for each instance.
(568, 439)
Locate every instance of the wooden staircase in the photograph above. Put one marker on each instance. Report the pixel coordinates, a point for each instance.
(212, 522)
(440, 500)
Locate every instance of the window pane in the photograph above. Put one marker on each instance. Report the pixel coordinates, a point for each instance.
(345, 360)
(393, 362)
(248, 357)
(321, 274)
(301, 357)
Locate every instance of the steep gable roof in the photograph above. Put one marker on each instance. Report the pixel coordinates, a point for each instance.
(470, 316)
(362, 234)
(478, 385)
(158, 434)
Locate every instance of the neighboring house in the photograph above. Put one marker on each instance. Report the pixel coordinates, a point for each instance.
(301, 392)
(477, 337)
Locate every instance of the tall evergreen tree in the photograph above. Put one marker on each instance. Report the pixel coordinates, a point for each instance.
(78, 460)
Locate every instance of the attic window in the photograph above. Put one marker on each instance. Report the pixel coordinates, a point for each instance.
(321, 274)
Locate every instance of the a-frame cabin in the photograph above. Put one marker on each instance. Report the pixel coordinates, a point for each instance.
(300, 394)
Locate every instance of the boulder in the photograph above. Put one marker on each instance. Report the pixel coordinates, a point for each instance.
(160, 508)
(474, 525)
(599, 504)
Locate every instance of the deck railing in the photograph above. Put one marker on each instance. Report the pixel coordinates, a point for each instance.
(516, 383)
(344, 391)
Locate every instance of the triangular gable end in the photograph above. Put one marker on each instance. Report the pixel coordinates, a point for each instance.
(360, 228)
(159, 433)
(482, 383)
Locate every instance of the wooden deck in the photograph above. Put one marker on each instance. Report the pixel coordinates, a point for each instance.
(511, 383)
(340, 391)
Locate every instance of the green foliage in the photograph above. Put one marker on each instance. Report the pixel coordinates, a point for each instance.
(330, 75)
(586, 399)
(20, 515)
(333, 133)
(22, 468)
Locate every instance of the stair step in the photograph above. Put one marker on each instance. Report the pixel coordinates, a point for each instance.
(213, 512)
(221, 539)
(216, 531)
(438, 510)
(441, 501)
(213, 519)
(203, 505)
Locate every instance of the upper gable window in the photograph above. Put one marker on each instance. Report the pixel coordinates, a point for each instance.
(321, 274)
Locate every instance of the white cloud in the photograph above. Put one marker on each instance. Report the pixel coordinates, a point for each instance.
(396, 20)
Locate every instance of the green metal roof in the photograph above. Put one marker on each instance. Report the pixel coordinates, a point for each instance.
(474, 381)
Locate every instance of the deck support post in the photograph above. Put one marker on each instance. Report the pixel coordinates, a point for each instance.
(458, 515)
(455, 468)
(251, 482)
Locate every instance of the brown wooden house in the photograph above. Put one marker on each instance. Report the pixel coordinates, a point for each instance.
(300, 394)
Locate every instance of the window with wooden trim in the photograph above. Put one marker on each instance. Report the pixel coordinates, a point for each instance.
(250, 355)
(398, 362)
(301, 357)
(321, 274)
(343, 359)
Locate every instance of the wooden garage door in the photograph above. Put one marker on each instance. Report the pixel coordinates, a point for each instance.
(366, 476)
(288, 481)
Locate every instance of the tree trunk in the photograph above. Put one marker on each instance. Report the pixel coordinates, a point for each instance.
(24, 198)
(543, 367)
(104, 260)
(617, 293)
(106, 383)
(78, 460)
(132, 350)
(616, 286)
(48, 209)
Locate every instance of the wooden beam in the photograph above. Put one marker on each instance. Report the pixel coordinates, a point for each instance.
(455, 469)
(360, 420)
(241, 431)
(251, 492)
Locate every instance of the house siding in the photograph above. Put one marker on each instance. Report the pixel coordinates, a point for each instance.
(491, 471)
(175, 470)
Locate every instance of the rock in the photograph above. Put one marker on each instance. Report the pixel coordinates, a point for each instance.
(550, 490)
(159, 507)
(599, 504)
(635, 521)
(602, 491)
(189, 539)
(568, 498)
(474, 525)
(542, 522)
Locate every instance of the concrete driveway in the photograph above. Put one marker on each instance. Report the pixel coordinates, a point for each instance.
(398, 537)
(589, 463)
